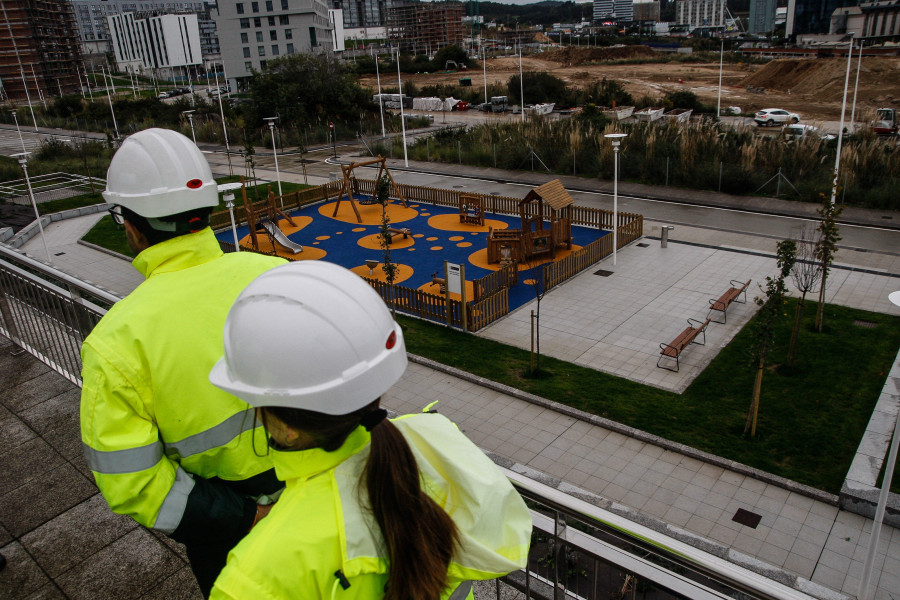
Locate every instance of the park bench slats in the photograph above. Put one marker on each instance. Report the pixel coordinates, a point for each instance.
(684, 339)
(724, 301)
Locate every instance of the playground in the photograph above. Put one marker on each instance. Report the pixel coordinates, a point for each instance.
(347, 231)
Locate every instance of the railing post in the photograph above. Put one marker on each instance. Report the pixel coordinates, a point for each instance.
(559, 550)
(6, 317)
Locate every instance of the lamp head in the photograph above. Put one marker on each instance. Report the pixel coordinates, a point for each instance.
(22, 157)
(615, 138)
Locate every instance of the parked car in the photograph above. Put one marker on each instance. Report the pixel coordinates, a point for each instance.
(163, 95)
(769, 117)
(797, 131)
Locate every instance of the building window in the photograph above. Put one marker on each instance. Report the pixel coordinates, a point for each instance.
(257, 22)
(271, 21)
(240, 8)
(284, 5)
(262, 64)
(245, 23)
(248, 66)
(273, 35)
(283, 19)
(274, 49)
(246, 52)
(269, 6)
(290, 48)
(261, 50)
(259, 36)
(288, 34)
(244, 39)
(312, 37)
(254, 6)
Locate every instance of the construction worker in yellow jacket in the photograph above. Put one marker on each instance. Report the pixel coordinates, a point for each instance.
(165, 446)
(403, 509)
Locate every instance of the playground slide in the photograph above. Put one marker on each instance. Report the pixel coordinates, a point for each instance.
(281, 238)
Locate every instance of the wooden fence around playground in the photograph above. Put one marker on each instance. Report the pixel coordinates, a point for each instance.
(491, 293)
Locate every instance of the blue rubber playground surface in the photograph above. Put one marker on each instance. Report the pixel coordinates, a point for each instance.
(435, 236)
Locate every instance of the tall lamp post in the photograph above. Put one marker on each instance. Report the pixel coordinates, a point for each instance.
(190, 115)
(19, 131)
(402, 116)
(837, 159)
(271, 122)
(865, 592)
(22, 157)
(224, 128)
(616, 139)
(721, 57)
(227, 191)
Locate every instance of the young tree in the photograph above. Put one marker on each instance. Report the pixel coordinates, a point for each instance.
(764, 326)
(383, 197)
(805, 274)
(829, 236)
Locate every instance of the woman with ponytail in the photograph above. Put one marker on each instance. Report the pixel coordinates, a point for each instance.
(401, 509)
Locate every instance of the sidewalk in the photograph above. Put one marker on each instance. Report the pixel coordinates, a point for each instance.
(67, 544)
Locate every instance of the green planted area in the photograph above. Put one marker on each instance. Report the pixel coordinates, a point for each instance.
(811, 418)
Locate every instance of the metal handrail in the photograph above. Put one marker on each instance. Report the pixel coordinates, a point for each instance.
(49, 313)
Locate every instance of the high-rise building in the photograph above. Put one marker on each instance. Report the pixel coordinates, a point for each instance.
(425, 27)
(39, 50)
(812, 16)
(700, 13)
(621, 11)
(96, 37)
(167, 42)
(254, 32)
(360, 14)
(762, 16)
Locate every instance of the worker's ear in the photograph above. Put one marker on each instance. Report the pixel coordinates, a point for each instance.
(137, 241)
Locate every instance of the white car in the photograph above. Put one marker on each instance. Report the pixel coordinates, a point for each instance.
(796, 131)
(769, 117)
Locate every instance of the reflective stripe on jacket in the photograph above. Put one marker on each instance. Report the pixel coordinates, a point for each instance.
(149, 416)
(318, 527)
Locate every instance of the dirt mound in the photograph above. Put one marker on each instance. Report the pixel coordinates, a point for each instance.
(824, 77)
(573, 56)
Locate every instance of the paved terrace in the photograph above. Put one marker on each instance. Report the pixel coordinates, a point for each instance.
(62, 542)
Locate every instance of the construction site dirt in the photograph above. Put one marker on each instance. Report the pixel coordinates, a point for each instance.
(813, 88)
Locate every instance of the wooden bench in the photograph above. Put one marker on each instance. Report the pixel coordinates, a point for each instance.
(684, 339)
(737, 288)
(405, 232)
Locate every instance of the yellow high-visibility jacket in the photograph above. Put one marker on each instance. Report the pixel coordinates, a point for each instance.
(150, 418)
(318, 528)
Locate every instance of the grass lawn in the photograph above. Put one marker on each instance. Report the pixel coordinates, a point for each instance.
(107, 234)
(55, 206)
(810, 419)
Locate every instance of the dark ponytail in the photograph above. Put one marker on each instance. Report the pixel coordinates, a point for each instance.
(420, 536)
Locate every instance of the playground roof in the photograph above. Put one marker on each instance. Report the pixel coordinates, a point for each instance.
(553, 193)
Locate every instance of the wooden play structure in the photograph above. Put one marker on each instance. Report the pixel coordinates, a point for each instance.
(471, 209)
(265, 219)
(546, 213)
(350, 185)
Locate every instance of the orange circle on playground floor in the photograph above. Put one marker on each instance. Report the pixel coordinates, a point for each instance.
(451, 223)
(435, 288)
(418, 235)
(370, 214)
(431, 238)
(373, 242)
(436, 248)
(456, 238)
(323, 237)
(479, 259)
(464, 244)
(358, 229)
(403, 273)
(309, 252)
(299, 223)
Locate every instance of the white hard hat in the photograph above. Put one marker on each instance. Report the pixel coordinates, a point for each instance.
(310, 335)
(157, 173)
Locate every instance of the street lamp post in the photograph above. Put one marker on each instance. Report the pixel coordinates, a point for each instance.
(271, 122)
(837, 159)
(380, 98)
(616, 139)
(227, 191)
(108, 97)
(190, 115)
(721, 57)
(23, 161)
(19, 131)
(402, 116)
(224, 128)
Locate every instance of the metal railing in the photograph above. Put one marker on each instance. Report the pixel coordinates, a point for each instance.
(47, 312)
(579, 550)
(50, 186)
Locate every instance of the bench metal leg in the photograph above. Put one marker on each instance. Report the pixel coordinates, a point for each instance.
(724, 316)
(662, 356)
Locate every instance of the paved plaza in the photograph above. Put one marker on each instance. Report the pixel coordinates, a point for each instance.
(62, 542)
